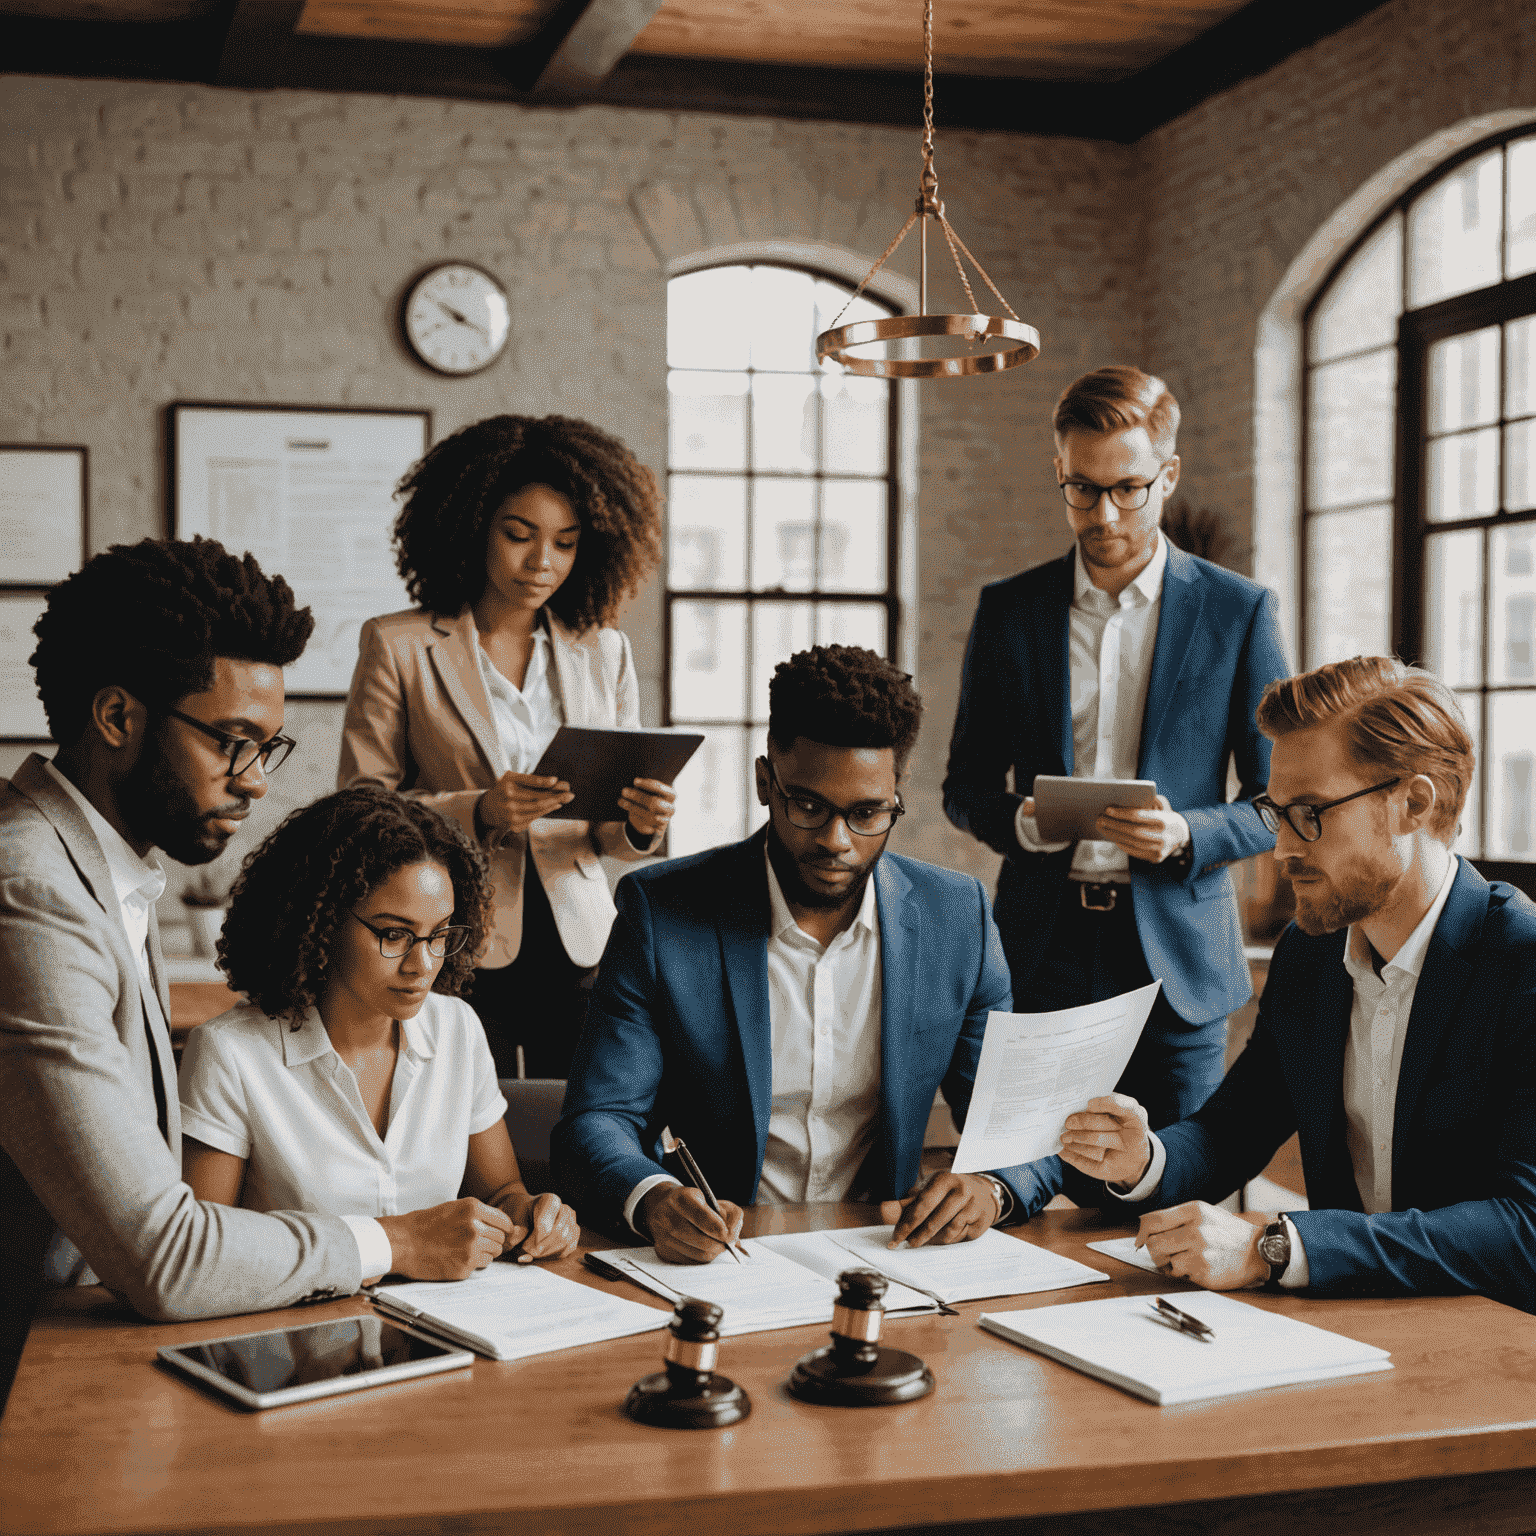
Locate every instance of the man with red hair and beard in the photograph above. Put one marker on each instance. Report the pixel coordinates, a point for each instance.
(1397, 1032)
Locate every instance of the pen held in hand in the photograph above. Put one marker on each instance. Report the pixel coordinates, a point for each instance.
(700, 1183)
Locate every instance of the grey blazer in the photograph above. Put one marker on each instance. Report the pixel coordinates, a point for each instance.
(87, 1180)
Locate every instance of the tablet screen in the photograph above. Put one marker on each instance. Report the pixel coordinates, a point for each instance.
(293, 1362)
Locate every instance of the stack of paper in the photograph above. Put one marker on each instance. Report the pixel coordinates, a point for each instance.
(1122, 1341)
(509, 1311)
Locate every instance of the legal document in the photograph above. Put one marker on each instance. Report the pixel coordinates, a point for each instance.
(1125, 1249)
(1038, 1068)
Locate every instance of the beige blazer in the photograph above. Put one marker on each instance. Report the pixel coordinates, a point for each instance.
(86, 1176)
(419, 720)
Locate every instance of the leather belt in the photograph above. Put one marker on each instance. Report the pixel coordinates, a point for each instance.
(1098, 896)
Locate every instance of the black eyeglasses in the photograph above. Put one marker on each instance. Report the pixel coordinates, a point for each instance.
(241, 750)
(1084, 495)
(811, 812)
(397, 943)
(1307, 820)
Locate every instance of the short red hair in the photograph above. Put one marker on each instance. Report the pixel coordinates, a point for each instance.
(1114, 398)
(1398, 718)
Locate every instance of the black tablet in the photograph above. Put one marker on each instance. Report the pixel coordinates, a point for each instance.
(292, 1365)
(597, 764)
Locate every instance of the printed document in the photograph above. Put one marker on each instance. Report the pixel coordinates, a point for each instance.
(509, 1311)
(1038, 1068)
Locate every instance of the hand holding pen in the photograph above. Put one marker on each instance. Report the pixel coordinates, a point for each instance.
(688, 1225)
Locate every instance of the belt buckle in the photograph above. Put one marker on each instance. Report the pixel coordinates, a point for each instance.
(1105, 889)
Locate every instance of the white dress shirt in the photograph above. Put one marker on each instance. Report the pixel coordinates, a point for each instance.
(824, 1018)
(1110, 645)
(286, 1102)
(527, 717)
(1373, 1057)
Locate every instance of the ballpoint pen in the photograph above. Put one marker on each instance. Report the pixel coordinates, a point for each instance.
(1170, 1314)
(700, 1183)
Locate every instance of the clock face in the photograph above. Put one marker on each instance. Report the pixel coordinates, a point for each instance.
(457, 318)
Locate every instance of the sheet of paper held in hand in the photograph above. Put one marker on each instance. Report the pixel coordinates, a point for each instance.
(1038, 1068)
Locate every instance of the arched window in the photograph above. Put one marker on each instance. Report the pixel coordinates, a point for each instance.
(1419, 463)
(782, 508)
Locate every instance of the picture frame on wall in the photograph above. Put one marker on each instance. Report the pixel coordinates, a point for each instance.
(43, 500)
(309, 491)
(21, 711)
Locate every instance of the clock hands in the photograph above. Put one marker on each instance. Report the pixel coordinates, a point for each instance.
(453, 314)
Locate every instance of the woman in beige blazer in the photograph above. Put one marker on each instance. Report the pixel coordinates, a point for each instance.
(518, 540)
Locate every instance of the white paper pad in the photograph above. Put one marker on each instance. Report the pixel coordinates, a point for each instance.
(821, 1253)
(1038, 1068)
(1121, 1341)
(1125, 1249)
(995, 1264)
(509, 1311)
(768, 1291)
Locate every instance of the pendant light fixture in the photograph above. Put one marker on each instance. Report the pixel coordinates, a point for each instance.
(1022, 342)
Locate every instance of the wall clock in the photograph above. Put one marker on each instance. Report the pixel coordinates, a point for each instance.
(456, 318)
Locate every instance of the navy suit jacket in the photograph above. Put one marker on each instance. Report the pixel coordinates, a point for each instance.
(1463, 1214)
(678, 1032)
(1218, 648)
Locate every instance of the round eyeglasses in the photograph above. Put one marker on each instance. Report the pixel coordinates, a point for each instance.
(241, 750)
(397, 943)
(810, 813)
(1084, 495)
(1307, 820)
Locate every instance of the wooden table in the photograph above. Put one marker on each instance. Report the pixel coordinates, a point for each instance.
(98, 1439)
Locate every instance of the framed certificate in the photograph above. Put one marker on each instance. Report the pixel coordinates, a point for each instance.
(309, 491)
(21, 711)
(42, 513)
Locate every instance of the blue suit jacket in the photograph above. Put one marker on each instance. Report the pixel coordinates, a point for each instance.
(1463, 1214)
(678, 1031)
(1218, 647)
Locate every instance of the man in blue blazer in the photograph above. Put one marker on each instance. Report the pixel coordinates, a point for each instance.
(1397, 1031)
(1126, 658)
(789, 1005)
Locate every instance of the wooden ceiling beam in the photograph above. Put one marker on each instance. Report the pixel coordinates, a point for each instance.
(578, 48)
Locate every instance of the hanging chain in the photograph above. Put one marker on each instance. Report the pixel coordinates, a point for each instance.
(930, 181)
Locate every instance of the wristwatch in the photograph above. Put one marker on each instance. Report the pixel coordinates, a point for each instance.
(1000, 1190)
(1275, 1248)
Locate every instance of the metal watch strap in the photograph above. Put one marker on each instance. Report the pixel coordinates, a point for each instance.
(1001, 1191)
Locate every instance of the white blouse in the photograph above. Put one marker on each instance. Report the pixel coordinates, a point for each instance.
(287, 1103)
(527, 717)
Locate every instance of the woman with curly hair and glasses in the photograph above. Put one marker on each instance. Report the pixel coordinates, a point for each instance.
(518, 540)
(353, 1080)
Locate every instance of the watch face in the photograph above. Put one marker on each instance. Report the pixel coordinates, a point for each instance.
(457, 318)
(1275, 1248)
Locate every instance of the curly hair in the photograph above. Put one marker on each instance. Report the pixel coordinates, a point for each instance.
(454, 492)
(844, 696)
(151, 617)
(297, 886)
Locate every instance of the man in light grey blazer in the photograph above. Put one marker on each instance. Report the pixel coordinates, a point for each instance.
(160, 667)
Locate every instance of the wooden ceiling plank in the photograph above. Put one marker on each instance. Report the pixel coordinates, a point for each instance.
(597, 35)
(470, 23)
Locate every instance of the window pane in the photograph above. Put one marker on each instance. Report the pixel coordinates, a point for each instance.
(1363, 302)
(709, 661)
(778, 631)
(712, 793)
(784, 535)
(707, 533)
(1350, 431)
(1519, 375)
(1453, 630)
(1464, 380)
(1349, 604)
(1520, 466)
(708, 414)
(1453, 233)
(853, 535)
(780, 318)
(851, 624)
(1512, 776)
(784, 421)
(1469, 840)
(1464, 476)
(1521, 220)
(704, 315)
(1512, 605)
(830, 300)
(856, 422)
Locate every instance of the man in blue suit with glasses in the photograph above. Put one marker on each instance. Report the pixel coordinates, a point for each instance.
(1124, 659)
(789, 1005)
